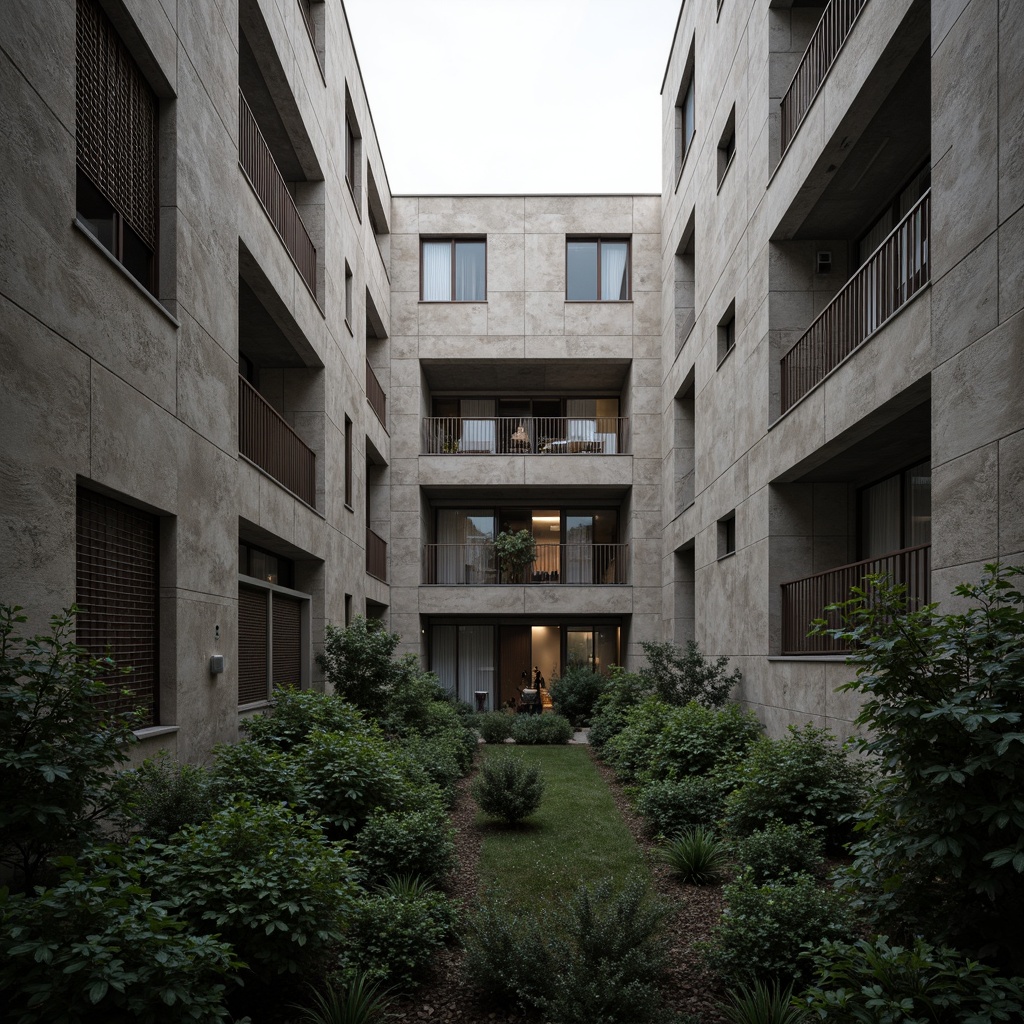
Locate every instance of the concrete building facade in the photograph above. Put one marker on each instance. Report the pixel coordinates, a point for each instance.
(248, 392)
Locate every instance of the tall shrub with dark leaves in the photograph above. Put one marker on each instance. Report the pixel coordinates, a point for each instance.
(678, 675)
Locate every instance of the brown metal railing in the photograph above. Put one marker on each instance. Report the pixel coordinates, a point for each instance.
(805, 600)
(525, 435)
(476, 564)
(267, 182)
(376, 556)
(890, 277)
(826, 41)
(376, 397)
(266, 440)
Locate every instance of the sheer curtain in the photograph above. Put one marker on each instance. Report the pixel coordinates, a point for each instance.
(581, 413)
(478, 435)
(613, 270)
(880, 518)
(442, 656)
(579, 549)
(476, 662)
(470, 261)
(437, 271)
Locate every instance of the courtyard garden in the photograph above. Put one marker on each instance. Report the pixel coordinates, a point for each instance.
(363, 856)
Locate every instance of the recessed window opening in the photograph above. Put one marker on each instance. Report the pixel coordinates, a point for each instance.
(727, 332)
(597, 269)
(453, 270)
(727, 535)
(727, 146)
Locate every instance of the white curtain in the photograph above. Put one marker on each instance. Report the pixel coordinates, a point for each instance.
(478, 435)
(581, 414)
(469, 271)
(442, 656)
(579, 549)
(476, 662)
(613, 270)
(437, 271)
(881, 518)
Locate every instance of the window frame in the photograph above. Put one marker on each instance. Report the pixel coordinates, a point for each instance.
(686, 97)
(727, 535)
(727, 147)
(454, 241)
(727, 333)
(600, 240)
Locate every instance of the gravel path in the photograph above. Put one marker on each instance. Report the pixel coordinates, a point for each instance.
(447, 999)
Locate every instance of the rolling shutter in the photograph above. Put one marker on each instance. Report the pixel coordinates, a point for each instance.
(287, 647)
(252, 645)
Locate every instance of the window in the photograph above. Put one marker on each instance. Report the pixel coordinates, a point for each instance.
(686, 123)
(348, 463)
(727, 332)
(353, 155)
(453, 270)
(117, 117)
(348, 297)
(597, 269)
(351, 161)
(685, 283)
(727, 535)
(895, 513)
(727, 146)
(117, 588)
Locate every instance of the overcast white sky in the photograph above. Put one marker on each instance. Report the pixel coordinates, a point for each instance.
(516, 95)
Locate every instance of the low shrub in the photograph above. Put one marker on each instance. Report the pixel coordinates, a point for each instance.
(258, 773)
(780, 850)
(294, 714)
(576, 693)
(672, 805)
(803, 778)
(393, 935)
(495, 726)
(530, 729)
(875, 983)
(356, 1001)
(696, 856)
(680, 675)
(763, 1004)
(161, 796)
(440, 758)
(763, 928)
(508, 788)
(97, 947)
(406, 842)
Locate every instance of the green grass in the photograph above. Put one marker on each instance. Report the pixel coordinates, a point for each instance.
(577, 835)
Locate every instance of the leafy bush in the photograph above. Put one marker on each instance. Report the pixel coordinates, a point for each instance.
(875, 983)
(763, 1004)
(780, 850)
(508, 788)
(58, 744)
(625, 690)
(294, 714)
(266, 880)
(97, 947)
(358, 1001)
(803, 778)
(678, 676)
(942, 847)
(696, 856)
(406, 842)
(161, 796)
(575, 694)
(672, 805)
(260, 774)
(358, 662)
(393, 935)
(763, 928)
(441, 760)
(495, 726)
(541, 729)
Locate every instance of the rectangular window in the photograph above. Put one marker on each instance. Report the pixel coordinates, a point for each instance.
(685, 114)
(727, 332)
(453, 270)
(348, 463)
(895, 513)
(597, 269)
(117, 115)
(116, 586)
(727, 146)
(727, 535)
(348, 297)
(350, 154)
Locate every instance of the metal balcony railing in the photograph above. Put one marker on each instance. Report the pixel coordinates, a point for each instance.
(826, 41)
(266, 440)
(476, 564)
(890, 277)
(376, 556)
(376, 397)
(525, 435)
(267, 182)
(805, 600)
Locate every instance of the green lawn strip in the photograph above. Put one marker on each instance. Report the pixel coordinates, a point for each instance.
(577, 835)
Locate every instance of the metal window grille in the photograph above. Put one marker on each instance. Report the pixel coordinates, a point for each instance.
(253, 620)
(117, 114)
(117, 578)
(287, 641)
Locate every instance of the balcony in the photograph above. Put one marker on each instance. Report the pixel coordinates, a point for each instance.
(268, 442)
(890, 277)
(376, 397)
(268, 183)
(530, 435)
(376, 556)
(471, 565)
(836, 23)
(805, 600)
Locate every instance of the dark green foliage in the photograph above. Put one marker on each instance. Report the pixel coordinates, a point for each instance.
(876, 983)
(780, 850)
(696, 856)
(259, 773)
(441, 759)
(57, 745)
(596, 959)
(161, 796)
(576, 693)
(672, 805)
(625, 690)
(264, 879)
(394, 934)
(495, 726)
(98, 948)
(662, 741)
(357, 1001)
(508, 788)
(294, 714)
(763, 1004)
(541, 729)
(764, 927)
(406, 842)
(358, 662)
(805, 777)
(942, 847)
(678, 676)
